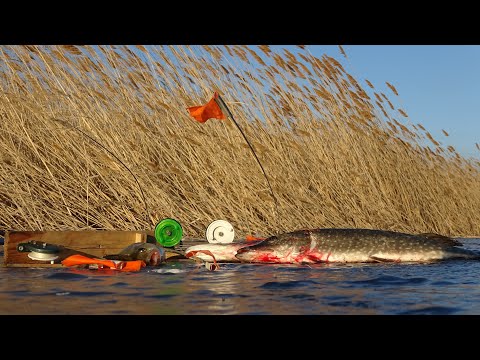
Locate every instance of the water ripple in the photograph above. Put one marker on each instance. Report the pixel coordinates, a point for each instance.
(442, 283)
(432, 310)
(349, 303)
(301, 296)
(66, 276)
(389, 280)
(287, 284)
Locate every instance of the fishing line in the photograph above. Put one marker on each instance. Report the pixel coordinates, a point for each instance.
(115, 156)
(222, 105)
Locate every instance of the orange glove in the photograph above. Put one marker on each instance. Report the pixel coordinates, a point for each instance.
(75, 260)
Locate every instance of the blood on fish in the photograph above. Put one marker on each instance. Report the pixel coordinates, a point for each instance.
(267, 258)
(313, 256)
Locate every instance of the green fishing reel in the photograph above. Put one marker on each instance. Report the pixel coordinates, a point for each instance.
(168, 232)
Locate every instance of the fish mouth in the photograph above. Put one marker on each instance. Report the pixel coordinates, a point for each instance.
(260, 255)
(246, 253)
(243, 250)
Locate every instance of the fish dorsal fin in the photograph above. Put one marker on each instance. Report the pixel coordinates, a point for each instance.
(445, 240)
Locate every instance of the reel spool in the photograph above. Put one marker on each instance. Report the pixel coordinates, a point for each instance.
(220, 232)
(39, 250)
(168, 232)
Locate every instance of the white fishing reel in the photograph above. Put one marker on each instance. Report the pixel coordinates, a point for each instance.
(220, 232)
(39, 250)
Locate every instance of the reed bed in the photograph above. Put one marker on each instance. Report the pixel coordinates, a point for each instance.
(98, 137)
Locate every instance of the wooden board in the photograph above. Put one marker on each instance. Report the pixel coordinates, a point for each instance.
(89, 242)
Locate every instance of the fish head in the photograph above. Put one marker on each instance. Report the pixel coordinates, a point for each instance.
(261, 252)
(151, 254)
(275, 249)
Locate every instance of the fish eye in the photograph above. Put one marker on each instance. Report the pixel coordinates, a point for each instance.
(142, 250)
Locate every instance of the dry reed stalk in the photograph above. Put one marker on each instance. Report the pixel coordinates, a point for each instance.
(321, 138)
(392, 88)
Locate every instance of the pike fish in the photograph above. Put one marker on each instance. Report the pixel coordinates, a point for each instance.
(353, 245)
(151, 254)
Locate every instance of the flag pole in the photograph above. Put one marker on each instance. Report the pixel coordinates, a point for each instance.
(224, 108)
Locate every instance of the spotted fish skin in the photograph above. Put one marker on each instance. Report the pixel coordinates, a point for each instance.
(353, 245)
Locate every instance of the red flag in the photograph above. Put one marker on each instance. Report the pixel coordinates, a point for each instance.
(208, 111)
